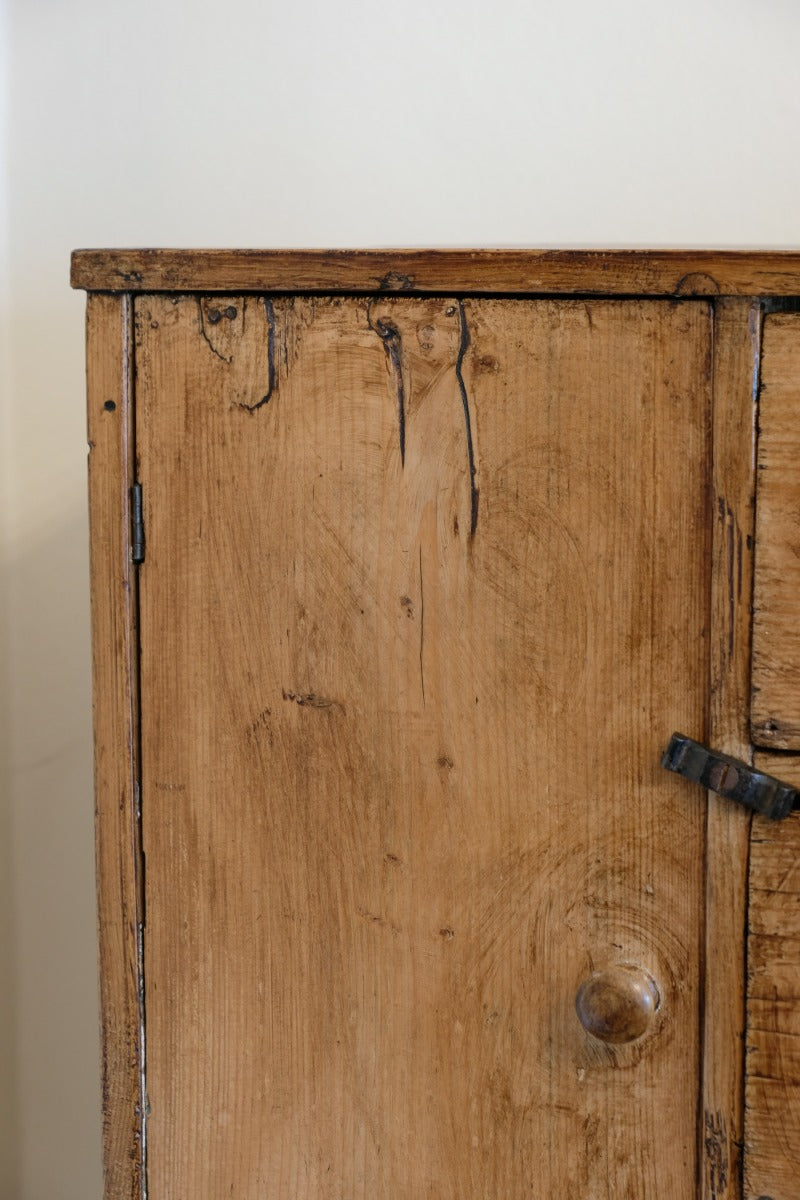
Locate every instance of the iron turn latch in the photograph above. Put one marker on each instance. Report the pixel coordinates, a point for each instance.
(730, 777)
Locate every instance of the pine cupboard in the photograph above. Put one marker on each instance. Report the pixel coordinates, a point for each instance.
(406, 566)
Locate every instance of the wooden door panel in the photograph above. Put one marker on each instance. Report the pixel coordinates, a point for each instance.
(772, 1130)
(426, 592)
(776, 631)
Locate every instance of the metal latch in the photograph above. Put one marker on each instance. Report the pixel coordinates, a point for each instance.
(730, 777)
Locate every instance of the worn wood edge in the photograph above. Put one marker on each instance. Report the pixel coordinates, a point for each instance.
(115, 706)
(737, 337)
(772, 1150)
(524, 271)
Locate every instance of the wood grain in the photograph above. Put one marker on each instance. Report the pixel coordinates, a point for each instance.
(600, 272)
(420, 582)
(776, 622)
(737, 337)
(772, 1151)
(114, 639)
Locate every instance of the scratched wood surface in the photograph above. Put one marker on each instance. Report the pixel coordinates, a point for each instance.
(604, 272)
(772, 1150)
(737, 339)
(776, 621)
(109, 334)
(420, 582)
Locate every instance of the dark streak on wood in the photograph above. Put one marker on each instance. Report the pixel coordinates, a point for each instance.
(462, 387)
(389, 334)
(205, 336)
(269, 311)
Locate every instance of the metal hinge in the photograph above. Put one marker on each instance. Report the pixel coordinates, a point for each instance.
(730, 777)
(137, 525)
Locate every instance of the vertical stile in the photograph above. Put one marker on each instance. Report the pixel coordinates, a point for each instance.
(115, 687)
(737, 335)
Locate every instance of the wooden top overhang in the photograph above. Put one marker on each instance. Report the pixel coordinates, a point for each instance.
(511, 272)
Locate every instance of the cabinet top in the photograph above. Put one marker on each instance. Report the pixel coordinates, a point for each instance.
(505, 271)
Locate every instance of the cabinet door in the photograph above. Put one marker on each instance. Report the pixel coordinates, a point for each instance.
(776, 630)
(772, 1149)
(426, 593)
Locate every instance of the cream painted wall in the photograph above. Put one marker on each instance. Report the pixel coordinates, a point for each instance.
(253, 122)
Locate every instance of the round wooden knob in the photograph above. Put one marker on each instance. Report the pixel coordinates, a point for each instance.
(617, 1005)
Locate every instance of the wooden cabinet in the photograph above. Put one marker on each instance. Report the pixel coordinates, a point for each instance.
(405, 568)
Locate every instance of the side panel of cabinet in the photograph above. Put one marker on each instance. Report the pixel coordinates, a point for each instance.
(109, 358)
(420, 583)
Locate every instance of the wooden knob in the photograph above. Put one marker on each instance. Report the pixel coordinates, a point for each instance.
(617, 1005)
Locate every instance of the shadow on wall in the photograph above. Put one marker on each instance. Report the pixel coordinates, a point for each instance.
(49, 1042)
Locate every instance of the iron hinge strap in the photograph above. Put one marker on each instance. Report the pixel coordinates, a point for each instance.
(730, 777)
(137, 524)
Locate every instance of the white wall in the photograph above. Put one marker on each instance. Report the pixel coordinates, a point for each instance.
(266, 123)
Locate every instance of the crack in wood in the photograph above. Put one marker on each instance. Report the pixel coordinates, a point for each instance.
(205, 336)
(392, 345)
(269, 311)
(462, 387)
(390, 335)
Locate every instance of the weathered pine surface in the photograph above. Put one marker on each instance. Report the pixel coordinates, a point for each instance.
(420, 582)
(109, 336)
(604, 272)
(776, 620)
(772, 1150)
